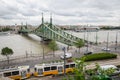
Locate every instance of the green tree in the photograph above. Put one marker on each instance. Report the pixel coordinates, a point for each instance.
(7, 52)
(79, 44)
(52, 45)
(81, 73)
(102, 74)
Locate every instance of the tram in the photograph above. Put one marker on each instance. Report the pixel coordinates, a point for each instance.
(53, 68)
(16, 73)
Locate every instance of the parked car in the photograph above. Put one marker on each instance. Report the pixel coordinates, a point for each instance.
(87, 53)
(67, 55)
(105, 49)
(116, 69)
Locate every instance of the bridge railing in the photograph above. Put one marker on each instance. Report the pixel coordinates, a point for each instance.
(64, 33)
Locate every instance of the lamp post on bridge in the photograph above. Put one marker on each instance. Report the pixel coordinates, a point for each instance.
(42, 45)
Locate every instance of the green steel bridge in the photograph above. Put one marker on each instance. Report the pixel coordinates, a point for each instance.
(48, 31)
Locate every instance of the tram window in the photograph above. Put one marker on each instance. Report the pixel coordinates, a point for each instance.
(72, 65)
(35, 69)
(66, 66)
(7, 74)
(15, 73)
(53, 67)
(28, 70)
(46, 68)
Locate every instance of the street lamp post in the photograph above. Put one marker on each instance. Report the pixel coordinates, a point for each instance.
(43, 52)
(107, 40)
(64, 60)
(84, 36)
(42, 49)
(87, 41)
(116, 41)
(26, 54)
(96, 38)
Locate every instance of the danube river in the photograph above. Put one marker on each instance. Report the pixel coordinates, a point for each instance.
(32, 45)
(101, 35)
(22, 44)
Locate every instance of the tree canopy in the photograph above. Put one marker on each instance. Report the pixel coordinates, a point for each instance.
(52, 45)
(82, 73)
(7, 52)
(79, 44)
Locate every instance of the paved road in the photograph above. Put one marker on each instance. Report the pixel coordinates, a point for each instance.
(37, 59)
(32, 60)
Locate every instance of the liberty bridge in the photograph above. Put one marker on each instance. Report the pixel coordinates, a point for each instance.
(48, 31)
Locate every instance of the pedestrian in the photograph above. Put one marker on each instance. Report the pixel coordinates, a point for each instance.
(76, 51)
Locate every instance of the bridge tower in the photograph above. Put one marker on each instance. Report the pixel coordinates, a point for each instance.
(26, 25)
(50, 19)
(44, 39)
(42, 19)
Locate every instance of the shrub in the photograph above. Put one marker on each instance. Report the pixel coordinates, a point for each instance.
(99, 56)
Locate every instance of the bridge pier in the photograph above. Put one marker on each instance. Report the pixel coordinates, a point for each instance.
(46, 41)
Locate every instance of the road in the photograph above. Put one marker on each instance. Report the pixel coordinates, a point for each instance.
(32, 60)
(36, 60)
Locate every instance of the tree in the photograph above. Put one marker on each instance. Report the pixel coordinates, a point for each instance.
(81, 73)
(79, 70)
(7, 52)
(79, 44)
(52, 45)
(102, 74)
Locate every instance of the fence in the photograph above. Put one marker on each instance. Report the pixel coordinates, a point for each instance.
(30, 58)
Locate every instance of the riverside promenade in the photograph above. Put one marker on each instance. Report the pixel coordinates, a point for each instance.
(36, 60)
(32, 59)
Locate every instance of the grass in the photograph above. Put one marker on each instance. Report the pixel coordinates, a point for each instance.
(99, 56)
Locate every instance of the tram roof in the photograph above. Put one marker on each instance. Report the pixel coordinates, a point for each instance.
(24, 67)
(48, 64)
(8, 68)
(13, 69)
(51, 64)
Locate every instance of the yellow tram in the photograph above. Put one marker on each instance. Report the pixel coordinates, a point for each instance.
(16, 73)
(53, 68)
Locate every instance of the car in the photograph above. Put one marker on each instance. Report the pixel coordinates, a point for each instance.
(87, 53)
(115, 68)
(105, 49)
(67, 55)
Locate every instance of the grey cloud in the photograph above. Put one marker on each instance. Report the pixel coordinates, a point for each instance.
(7, 9)
(76, 10)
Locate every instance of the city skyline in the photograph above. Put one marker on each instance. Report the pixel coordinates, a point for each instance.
(66, 12)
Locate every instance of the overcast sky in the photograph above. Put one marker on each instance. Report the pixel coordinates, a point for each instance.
(95, 12)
